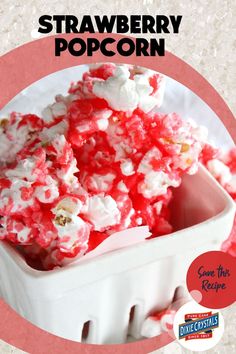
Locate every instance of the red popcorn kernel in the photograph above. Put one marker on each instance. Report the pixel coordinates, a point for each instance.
(230, 160)
(99, 183)
(48, 192)
(208, 153)
(5, 183)
(6, 206)
(61, 149)
(84, 108)
(86, 117)
(157, 323)
(103, 71)
(18, 232)
(125, 206)
(45, 231)
(32, 121)
(155, 81)
(26, 193)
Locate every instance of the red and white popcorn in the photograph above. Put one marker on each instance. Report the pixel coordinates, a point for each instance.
(127, 89)
(16, 133)
(158, 323)
(222, 165)
(162, 321)
(100, 160)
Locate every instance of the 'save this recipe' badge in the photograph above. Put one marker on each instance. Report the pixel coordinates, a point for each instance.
(212, 277)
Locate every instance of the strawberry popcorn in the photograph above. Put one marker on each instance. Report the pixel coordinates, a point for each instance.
(162, 321)
(98, 161)
(222, 165)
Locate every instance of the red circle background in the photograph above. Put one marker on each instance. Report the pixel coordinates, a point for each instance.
(210, 261)
(29, 63)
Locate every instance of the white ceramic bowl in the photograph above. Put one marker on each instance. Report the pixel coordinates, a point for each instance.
(92, 301)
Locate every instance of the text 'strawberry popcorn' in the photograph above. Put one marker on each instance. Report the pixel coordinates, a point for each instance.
(101, 160)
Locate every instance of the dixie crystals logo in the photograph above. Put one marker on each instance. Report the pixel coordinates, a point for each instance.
(198, 325)
(198, 328)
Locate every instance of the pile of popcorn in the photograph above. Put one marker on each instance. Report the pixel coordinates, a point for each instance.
(98, 161)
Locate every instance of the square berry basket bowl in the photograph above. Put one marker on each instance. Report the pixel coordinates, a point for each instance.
(106, 299)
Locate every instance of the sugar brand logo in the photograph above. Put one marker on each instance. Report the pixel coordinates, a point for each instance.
(198, 328)
(198, 325)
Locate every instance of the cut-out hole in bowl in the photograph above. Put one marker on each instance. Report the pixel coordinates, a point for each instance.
(133, 318)
(85, 331)
(132, 314)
